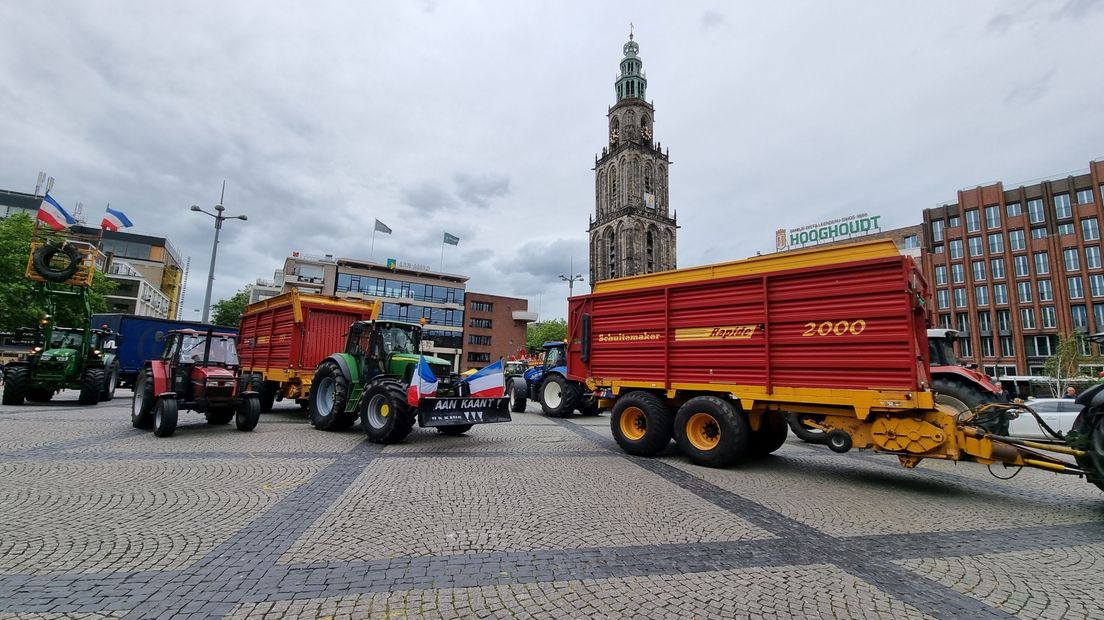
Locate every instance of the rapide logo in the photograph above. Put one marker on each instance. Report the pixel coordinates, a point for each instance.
(728, 332)
(629, 337)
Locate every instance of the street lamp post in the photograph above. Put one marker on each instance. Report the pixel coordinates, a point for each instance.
(219, 218)
(571, 278)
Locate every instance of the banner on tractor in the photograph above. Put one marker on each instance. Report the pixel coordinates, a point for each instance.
(463, 410)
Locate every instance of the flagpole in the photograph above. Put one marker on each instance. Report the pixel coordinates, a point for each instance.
(372, 252)
(442, 253)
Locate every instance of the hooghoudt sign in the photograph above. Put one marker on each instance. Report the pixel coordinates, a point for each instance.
(844, 227)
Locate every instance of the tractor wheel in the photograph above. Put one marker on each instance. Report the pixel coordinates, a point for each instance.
(455, 430)
(641, 423)
(110, 384)
(267, 393)
(16, 379)
(44, 257)
(384, 414)
(1090, 426)
(970, 396)
(711, 431)
(39, 395)
(805, 433)
(91, 385)
(164, 417)
(219, 415)
(329, 396)
(558, 396)
(141, 408)
(588, 405)
(516, 391)
(249, 413)
(304, 405)
(770, 436)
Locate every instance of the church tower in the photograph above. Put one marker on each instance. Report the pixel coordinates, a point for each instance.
(632, 231)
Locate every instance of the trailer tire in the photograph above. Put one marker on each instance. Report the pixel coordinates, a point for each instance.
(16, 379)
(91, 384)
(771, 435)
(558, 396)
(516, 391)
(329, 397)
(805, 433)
(249, 413)
(40, 261)
(164, 417)
(1090, 425)
(384, 414)
(641, 423)
(454, 430)
(39, 395)
(588, 406)
(267, 394)
(712, 432)
(110, 383)
(141, 407)
(968, 395)
(219, 416)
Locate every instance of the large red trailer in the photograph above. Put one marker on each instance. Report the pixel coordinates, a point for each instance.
(715, 355)
(282, 339)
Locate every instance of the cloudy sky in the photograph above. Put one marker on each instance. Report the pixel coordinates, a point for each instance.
(484, 118)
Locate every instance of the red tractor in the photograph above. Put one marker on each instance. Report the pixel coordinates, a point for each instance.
(198, 370)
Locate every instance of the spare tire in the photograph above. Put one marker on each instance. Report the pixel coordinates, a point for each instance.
(44, 255)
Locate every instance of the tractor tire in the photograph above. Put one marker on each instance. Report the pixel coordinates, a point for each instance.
(42, 257)
(771, 435)
(641, 423)
(91, 385)
(558, 396)
(249, 413)
(219, 416)
(712, 432)
(588, 406)
(267, 393)
(16, 379)
(1090, 425)
(164, 417)
(384, 414)
(141, 408)
(110, 383)
(968, 395)
(805, 433)
(455, 430)
(39, 395)
(516, 391)
(329, 397)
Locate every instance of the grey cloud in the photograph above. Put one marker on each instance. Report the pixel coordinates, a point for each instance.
(480, 190)
(711, 19)
(428, 196)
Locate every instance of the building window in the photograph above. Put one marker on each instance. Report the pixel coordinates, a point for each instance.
(958, 273)
(996, 243)
(1062, 206)
(1065, 229)
(960, 297)
(1035, 211)
(973, 221)
(1039, 346)
(1013, 209)
(480, 340)
(1050, 319)
(992, 216)
(953, 221)
(1046, 291)
(1038, 233)
(964, 347)
(1020, 264)
(1084, 196)
(937, 249)
(940, 274)
(1027, 318)
(987, 347)
(1007, 350)
(1071, 259)
(945, 320)
(1090, 229)
(910, 242)
(1092, 257)
(981, 295)
(1004, 320)
(942, 299)
(1080, 316)
(1075, 289)
(963, 323)
(996, 265)
(937, 230)
(474, 356)
(978, 270)
(985, 323)
(482, 306)
(1016, 240)
(1000, 294)
(1096, 285)
(1098, 316)
(956, 248)
(480, 323)
(1042, 263)
(1023, 292)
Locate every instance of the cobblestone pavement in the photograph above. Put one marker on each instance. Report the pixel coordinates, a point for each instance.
(537, 518)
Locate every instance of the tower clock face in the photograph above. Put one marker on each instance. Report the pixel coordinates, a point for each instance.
(613, 135)
(646, 132)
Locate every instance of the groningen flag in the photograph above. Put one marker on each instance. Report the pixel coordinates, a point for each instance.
(452, 239)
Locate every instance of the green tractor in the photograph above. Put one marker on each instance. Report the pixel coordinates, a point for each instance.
(64, 358)
(371, 378)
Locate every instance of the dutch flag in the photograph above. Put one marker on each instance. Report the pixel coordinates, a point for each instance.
(423, 383)
(114, 220)
(489, 382)
(51, 214)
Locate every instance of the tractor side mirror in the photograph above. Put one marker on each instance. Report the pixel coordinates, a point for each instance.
(159, 336)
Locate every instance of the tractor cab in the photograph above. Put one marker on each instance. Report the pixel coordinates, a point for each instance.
(201, 365)
(390, 348)
(941, 347)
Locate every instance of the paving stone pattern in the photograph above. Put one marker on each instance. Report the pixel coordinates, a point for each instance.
(538, 518)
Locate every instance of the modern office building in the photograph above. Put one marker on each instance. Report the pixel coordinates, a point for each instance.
(494, 329)
(1015, 267)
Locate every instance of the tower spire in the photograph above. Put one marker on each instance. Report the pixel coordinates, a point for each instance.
(630, 31)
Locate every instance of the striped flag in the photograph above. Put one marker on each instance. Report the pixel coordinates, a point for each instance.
(114, 220)
(489, 382)
(423, 383)
(51, 214)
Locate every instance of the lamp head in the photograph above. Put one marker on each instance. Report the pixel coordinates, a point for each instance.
(220, 208)
(243, 217)
(195, 208)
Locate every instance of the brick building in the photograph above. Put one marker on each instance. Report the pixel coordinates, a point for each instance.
(495, 328)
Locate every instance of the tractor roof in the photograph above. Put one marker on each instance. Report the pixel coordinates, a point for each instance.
(197, 332)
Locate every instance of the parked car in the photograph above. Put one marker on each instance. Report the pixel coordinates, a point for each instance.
(1058, 413)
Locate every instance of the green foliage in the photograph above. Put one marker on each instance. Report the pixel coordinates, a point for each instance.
(228, 311)
(539, 333)
(1066, 362)
(21, 302)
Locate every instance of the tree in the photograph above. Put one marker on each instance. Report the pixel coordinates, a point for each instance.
(540, 333)
(1066, 362)
(228, 311)
(21, 303)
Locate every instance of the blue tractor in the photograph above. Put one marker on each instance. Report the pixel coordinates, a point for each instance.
(548, 385)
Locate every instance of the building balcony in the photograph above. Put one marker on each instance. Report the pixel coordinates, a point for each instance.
(525, 316)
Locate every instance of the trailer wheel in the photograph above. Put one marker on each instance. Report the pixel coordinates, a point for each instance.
(516, 391)
(384, 414)
(219, 415)
(968, 395)
(110, 384)
(44, 256)
(454, 430)
(91, 384)
(588, 406)
(39, 395)
(249, 413)
(329, 395)
(16, 379)
(770, 436)
(641, 423)
(267, 393)
(558, 396)
(711, 431)
(141, 408)
(164, 417)
(805, 433)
